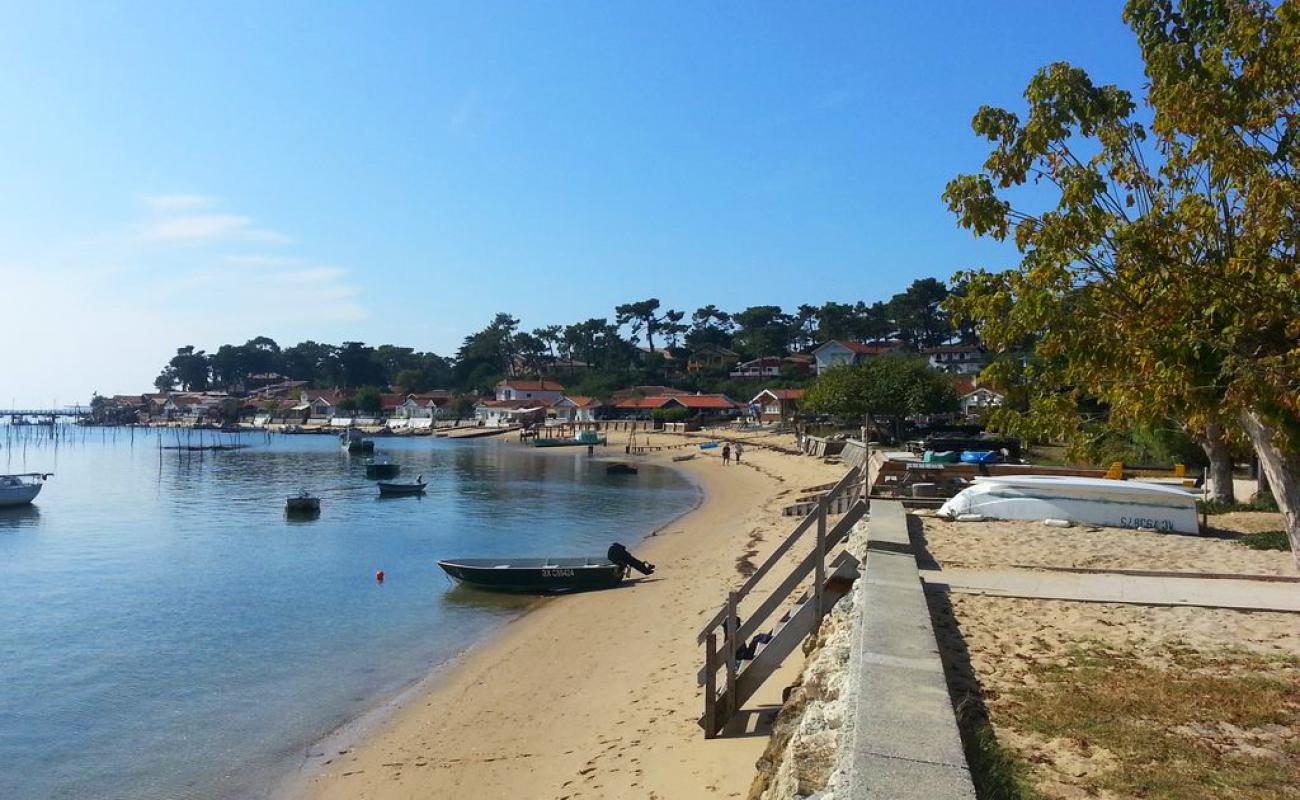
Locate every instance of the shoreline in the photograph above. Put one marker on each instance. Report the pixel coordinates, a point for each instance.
(589, 695)
(358, 731)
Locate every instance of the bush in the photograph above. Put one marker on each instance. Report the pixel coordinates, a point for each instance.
(1266, 540)
(670, 414)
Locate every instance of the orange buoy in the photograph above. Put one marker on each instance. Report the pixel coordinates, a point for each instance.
(379, 576)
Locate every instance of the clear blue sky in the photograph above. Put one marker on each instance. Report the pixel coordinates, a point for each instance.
(197, 173)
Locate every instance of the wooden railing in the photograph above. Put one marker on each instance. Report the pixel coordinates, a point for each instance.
(828, 585)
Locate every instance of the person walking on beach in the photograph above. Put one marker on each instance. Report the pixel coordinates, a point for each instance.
(739, 450)
(726, 454)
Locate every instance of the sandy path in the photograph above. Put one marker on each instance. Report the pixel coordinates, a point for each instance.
(594, 696)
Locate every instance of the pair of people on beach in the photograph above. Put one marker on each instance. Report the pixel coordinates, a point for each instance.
(726, 453)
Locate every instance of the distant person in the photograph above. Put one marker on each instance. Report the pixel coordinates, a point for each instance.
(739, 451)
(726, 454)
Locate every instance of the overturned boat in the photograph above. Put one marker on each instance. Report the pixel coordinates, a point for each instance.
(1089, 501)
(547, 575)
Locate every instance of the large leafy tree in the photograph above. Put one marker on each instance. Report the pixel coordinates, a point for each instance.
(763, 331)
(1162, 280)
(918, 316)
(894, 386)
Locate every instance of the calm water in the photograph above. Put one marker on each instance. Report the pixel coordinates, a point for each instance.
(165, 632)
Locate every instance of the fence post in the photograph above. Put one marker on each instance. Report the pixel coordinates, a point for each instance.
(820, 562)
(711, 686)
(730, 654)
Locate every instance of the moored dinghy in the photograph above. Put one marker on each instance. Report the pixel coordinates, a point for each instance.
(1096, 501)
(401, 488)
(381, 468)
(538, 575)
(302, 504)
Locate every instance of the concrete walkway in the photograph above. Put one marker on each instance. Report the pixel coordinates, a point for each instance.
(1243, 595)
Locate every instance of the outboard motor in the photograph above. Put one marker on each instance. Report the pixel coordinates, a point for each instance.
(618, 554)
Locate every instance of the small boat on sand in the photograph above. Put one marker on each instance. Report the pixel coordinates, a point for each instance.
(546, 575)
(401, 488)
(22, 488)
(686, 457)
(381, 468)
(302, 504)
(1095, 501)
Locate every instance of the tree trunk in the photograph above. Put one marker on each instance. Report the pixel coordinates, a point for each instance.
(1282, 470)
(1217, 451)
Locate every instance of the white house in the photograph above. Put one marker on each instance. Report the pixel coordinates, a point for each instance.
(511, 389)
(840, 352)
(976, 399)
(957, 359)
(503, 413)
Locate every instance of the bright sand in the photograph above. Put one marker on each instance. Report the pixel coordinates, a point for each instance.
(594, 695)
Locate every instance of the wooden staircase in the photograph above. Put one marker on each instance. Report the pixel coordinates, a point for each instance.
(786, 617)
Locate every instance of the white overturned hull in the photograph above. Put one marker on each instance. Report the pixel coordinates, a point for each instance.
(1088, 501)
(18, 495)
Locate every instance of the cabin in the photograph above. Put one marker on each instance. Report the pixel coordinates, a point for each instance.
(512, 389)
(957, 359)
(776, 405)
(646, 391)
(582, 408)
(842, 352)
(711, 357)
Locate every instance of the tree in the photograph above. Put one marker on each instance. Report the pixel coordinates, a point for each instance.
(188, 367)
(709, 326)
(918, 316)
(1163, 280)
(641, 316)
(369, 400)
(763, 331)
(894, 386)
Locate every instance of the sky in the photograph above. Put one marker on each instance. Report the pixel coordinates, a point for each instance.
(201, 173)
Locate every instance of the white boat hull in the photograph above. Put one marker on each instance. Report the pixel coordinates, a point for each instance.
(1089, 501)
(18, 495)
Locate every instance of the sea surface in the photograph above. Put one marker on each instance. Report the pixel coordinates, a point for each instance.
(166, 632)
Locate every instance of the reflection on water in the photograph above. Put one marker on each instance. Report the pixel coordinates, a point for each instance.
(166, 630)
(15, 517)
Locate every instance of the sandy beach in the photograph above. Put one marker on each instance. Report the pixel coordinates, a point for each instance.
(594, 695)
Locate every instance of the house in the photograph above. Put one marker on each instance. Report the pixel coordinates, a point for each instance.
(958, 359)
(975, 399)
(585, 409)
(512, 389)
(503, 413)
(765, 367)
(840, 352)
(711, 356)
(776, 405)
(701, 405)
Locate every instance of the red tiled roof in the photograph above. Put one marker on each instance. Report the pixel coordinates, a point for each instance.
(582, 401)
(648, 391)
(532, 386)
(644, 402)
(391, 400)
(872, 349)
(781, 394)
(706, 401)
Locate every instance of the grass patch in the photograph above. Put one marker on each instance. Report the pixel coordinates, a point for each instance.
(1165, 725)
(1266, 540)
(995, 770)
(1261, 503)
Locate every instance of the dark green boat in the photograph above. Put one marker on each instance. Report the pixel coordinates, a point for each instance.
(381, 468)
(545, 575)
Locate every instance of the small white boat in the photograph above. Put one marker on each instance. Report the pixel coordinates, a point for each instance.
(1089, 501)
(21, 489)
